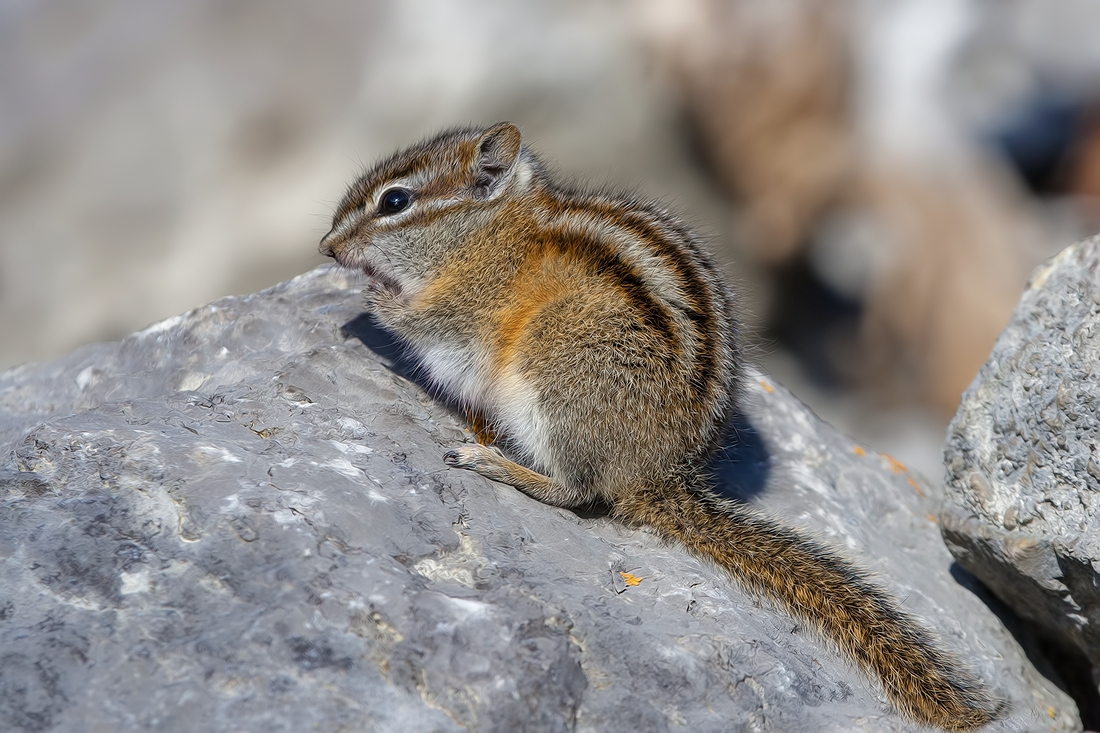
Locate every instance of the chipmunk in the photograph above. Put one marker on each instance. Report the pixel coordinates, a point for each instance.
(595, 335)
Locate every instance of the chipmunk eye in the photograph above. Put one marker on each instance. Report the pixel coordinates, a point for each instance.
(394, 200)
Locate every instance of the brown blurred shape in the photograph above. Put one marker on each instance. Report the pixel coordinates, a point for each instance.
(1085, 172)
(768, 93)
(771, 91)
(935, 313)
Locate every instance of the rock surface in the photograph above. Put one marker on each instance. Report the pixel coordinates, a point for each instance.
(1023, 506)
(238, 519)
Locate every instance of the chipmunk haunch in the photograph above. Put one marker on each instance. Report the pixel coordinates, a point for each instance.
(597, 338)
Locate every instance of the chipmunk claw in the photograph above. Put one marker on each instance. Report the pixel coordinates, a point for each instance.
(472, 456)
(453, 458)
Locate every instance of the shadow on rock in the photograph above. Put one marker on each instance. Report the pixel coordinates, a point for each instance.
(387, 346)
(742, 465)
(1065, 666)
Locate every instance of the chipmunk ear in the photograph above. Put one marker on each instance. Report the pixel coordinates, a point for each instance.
(497, 150)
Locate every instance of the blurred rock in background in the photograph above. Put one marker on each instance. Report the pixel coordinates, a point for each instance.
(880, 176)
(896, 169)
(156, 155)
(878, 154)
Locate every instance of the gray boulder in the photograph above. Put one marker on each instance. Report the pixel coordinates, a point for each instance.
(1023, 504)
(238, 519)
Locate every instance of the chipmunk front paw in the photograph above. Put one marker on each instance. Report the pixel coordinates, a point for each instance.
(473, 457)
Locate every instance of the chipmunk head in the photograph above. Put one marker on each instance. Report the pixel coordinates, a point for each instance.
(399, 220)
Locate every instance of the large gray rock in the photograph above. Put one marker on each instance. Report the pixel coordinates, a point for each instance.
(238, 519)
(1023, 506)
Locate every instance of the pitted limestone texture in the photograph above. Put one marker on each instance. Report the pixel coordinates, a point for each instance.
(1023, 505)
(239, 520)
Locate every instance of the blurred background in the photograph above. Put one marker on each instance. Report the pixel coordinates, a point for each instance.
(879, 176)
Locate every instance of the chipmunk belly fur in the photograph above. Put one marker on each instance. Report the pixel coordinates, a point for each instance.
(509, 400)
(598, 339)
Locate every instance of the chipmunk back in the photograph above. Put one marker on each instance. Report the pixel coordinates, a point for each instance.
(595, 336)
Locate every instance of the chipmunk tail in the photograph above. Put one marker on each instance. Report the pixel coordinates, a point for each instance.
(812, 583)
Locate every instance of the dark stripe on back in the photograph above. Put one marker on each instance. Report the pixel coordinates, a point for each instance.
(601, 259)
(700, 294)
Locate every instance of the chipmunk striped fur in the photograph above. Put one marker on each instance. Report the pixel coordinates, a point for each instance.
(594, 334)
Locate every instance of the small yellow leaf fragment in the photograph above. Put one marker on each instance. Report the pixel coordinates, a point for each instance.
(630, 578)
(767, 387)
(1050, 712)
(932, 518)
(895, 465)
(858, 450)
(916, 486)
